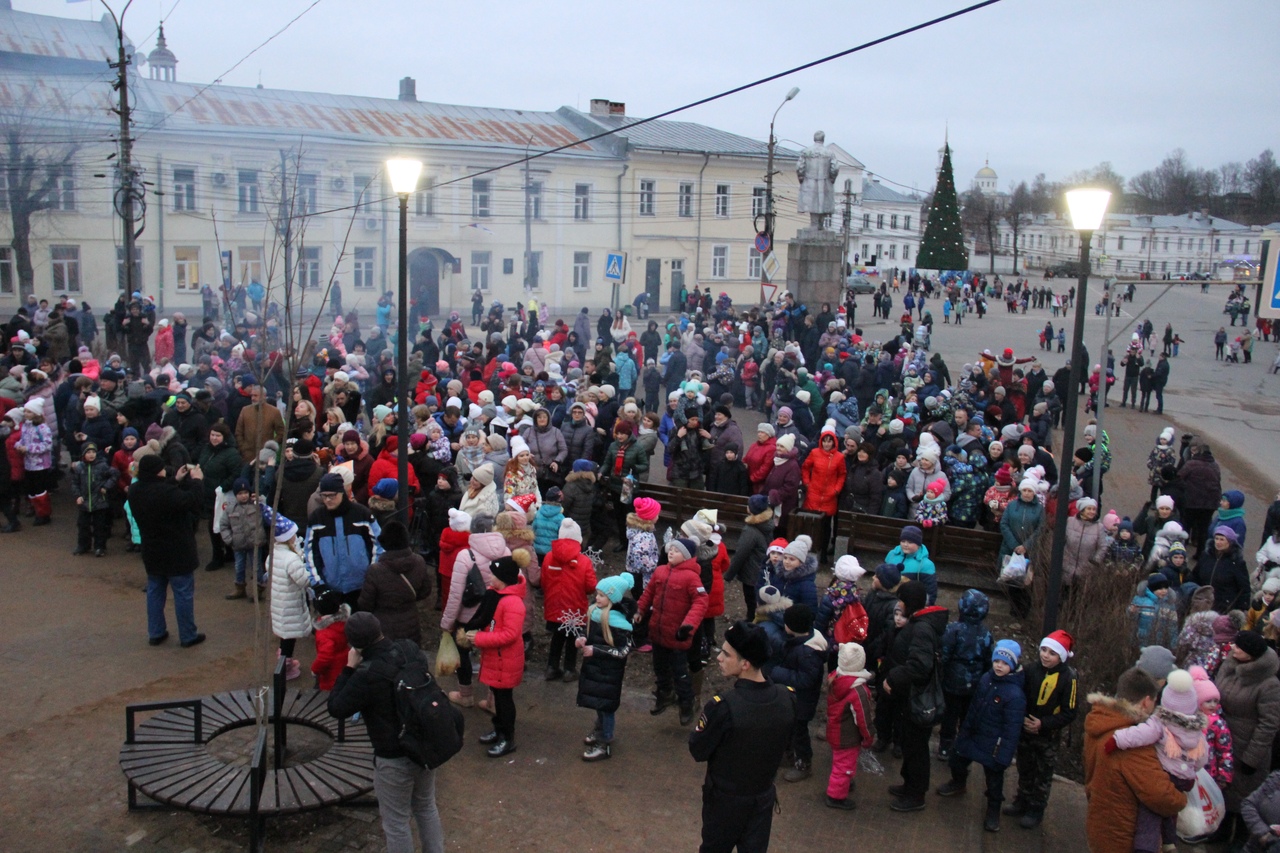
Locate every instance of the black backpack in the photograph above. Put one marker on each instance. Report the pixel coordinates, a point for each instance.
(431, 728)
(473, 591)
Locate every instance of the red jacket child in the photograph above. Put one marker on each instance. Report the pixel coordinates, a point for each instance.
(500, 642)
(715, 595)
(453, 541)
(849, 710)
(568, 577)
(331, 645)
(675, 599)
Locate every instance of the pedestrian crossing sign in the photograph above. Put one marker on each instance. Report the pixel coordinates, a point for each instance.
(1269, 304)
(614, 264)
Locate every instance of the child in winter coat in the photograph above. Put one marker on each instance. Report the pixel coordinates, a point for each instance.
(578, 497)
(1230, 513)
(850, 710)
(1168, 535)
(92, 481)
(546, 522)
(642, 555)
(1164, 453)
(1124, 548)
(331, 638)
(290, 583)
(674, 604)
(803, 664)
(728, 474)
(895, 503)
(568, 578)
(453, 541)
(1155, 614)
(966, 656)
(1050, 688)
(1174, 565)
(1176, 729)
(932, 509)
(913, 559)
(502, 651)
(35, 443)
(604, 660)
(1263, 603)
(120, 460)
(839, 594)
(1216, 734)
(241, 528)
(992, 730)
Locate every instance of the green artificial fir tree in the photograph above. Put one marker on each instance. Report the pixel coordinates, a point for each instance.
(942, 247)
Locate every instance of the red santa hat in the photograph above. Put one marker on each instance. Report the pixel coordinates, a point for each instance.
(1008, 352)
(1060, 643)
(521, 503)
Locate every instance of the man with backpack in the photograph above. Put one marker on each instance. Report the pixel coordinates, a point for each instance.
(372, 685)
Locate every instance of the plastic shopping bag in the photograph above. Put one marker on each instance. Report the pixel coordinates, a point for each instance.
(219, 507)
(447, 659)
(1014, 570)
(1204, 811)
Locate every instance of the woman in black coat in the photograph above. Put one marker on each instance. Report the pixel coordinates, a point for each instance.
(863, 481)
(604, 660)
(1223, 568)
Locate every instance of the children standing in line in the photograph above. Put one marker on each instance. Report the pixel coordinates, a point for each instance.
(966, 656)
(674, 604)
(991, 730)
(1050, 689)
(331, 638)
(568, 577)
(849, 713)
(802, 667)
(242, 529)
(604, 661)
(92, 480)
(546, 522)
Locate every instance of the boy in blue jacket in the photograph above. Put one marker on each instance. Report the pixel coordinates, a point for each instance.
(966, 657)
(802, 668)
(912, 559)
(991, 729)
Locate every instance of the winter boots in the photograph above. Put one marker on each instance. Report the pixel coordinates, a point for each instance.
(463, 696)
(799, 771)
(43, 508)
(239, 593)
(944, 749)
(599, 751)
(991, 823)
(950, 788)
(662, 701)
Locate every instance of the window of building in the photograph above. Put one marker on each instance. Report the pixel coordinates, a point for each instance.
(251, 265)
(7, 274)
(1179, 244)
(508, 266)
(247, 190)
(1142, 245)
(906, 223)
(581, 270)
(424, 200)
(1246, 247)
(893, 221)
(1166, 244)
(535, 199)
(121, 281)
(1164, 266)
(480, 262)
(1141, 264)
(719, 261)
(1177, 266)
(184, 189)
(481, 198)
(62, 193)
(309, 267)
(187, 259)
(1199, 266)
(1201, 249)
(362, 268)
(535, 270)
(1231, 246)
(759, 201)
(879, 221)
(66, 268)
(1217, 244)
(1120, 243)
(307, 199)
(685, 200)
(363, 191)
(754, 260)
(893, 251)
(866, 250)
(906, 251)
(582, 202)
(879, 251)
(647, 190)
(722, 200)
(866, 221)
(1071, 241)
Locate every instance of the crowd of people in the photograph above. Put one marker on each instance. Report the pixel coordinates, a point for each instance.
(528, 450)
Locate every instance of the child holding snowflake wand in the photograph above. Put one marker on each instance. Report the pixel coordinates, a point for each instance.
(568, 579)
(604, 660)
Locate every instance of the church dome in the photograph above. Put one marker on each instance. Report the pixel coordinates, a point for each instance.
(985, 172)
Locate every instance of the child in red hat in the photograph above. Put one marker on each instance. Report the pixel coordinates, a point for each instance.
(1051, 707)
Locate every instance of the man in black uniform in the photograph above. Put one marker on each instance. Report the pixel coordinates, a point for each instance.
(742, 735)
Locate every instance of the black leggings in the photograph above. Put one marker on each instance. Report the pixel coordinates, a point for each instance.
(287, 646)
(504, 711)
(464, 667)
(562, 646)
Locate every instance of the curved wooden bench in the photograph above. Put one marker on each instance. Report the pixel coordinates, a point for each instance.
(166, 758)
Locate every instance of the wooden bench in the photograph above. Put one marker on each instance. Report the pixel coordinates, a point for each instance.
(962, 556)
(679, 505)
(166, 757)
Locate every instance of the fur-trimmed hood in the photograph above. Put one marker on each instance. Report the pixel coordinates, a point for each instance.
(344, 612)
(377, 503)
(634, 521)
(1108, 713)
(589, 476)
(765, 611)
(760, 518)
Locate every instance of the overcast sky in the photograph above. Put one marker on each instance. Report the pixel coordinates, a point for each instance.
(1035, 85)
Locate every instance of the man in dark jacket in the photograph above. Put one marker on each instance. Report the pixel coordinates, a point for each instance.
(1201, 481)
(165, 511)
(405, 790)
(301, 475)
(192, 426)
(802, 668)
(916, 648)
(677, 364)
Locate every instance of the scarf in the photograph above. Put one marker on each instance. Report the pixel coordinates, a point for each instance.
(1230, 514)
(620, 458)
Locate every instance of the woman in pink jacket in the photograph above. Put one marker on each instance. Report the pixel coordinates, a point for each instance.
(502, 652)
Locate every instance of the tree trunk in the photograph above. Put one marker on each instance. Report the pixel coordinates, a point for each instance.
(22, 251)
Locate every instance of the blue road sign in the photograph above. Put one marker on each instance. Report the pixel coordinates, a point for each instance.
(1273, 283)
(763, 243)
(613, 264)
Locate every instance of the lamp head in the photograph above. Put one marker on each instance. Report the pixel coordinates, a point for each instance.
(404, 175)
(1088, 206)
(795, 90)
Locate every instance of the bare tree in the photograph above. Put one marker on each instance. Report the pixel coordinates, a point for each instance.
(1018, 213)
(980, 220)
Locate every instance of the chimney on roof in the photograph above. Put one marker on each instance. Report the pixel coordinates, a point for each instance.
(606, 107)
(408, 89)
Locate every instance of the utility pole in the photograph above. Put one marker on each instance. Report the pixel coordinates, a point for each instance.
(768, 192)
(127, 189)
(847, 225)
(530, 277)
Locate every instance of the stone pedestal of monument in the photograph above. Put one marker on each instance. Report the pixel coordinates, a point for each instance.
(815, 267)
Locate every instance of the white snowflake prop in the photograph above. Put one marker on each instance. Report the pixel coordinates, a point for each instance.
(573, 623)
(595, 555)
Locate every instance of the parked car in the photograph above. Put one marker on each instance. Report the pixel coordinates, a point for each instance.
(859, 283)
(1067, 269)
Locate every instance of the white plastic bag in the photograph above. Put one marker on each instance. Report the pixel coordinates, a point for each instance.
(219, 507)
(1014, 570)
(1204, 811)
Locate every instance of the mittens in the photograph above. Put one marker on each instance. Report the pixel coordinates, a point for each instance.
(685, 632)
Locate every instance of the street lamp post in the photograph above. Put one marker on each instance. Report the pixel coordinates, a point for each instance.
(768, 191)
(404, 175)
(1087, 209)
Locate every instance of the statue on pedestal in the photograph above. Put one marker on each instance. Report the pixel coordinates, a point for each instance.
(817, 170)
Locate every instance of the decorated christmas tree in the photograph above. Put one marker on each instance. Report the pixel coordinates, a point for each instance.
(942, 247)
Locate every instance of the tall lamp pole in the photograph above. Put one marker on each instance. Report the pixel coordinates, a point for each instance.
(404, 180)
(768, 189)
(1087, 209)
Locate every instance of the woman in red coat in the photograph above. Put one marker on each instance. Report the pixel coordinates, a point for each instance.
(387, 465)
(759, 458)
(823, 475)
(502, 652)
